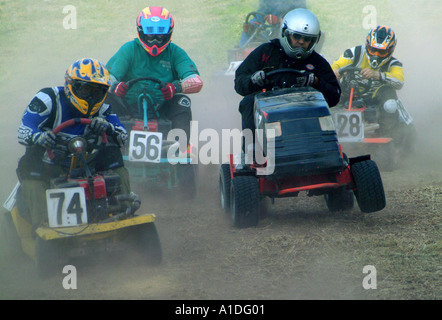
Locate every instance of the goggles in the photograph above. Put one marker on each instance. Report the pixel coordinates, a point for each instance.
(378, 52)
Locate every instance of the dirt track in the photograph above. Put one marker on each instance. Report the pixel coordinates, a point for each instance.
(300, 251)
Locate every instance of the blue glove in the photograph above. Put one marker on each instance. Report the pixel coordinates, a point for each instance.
(45, 139)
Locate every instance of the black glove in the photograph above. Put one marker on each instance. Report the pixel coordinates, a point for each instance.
(258, 78)
(100, 125)
(305, 80)
(45, 139)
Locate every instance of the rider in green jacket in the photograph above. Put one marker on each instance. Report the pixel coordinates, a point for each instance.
(153, 55)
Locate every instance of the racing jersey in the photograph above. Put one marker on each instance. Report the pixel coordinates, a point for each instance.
(133, 61)
(392, 73)
(50, 107)
(271, 56)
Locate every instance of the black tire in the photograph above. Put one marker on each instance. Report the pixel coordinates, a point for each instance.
(369, 190)
(47, 258)
(224, 186)
(244, 201)
(9, 240)
(147, 243)
(187, 180)
(339, 200)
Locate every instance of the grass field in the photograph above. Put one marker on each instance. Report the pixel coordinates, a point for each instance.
(33, 31)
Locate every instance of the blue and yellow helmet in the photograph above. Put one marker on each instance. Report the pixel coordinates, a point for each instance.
(86, 84)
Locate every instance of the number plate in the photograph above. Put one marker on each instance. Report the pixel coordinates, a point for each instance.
(145, 146)
(349, 126)
(66, 207)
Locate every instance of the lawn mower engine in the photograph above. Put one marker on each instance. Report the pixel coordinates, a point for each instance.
(101, 192)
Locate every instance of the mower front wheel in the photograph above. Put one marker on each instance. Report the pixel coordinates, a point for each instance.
(369, 191)
(244, 201)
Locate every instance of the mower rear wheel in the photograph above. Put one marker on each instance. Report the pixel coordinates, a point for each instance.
(339, 200)
(244, 201)
(224, 186)
(147, 243)
(9, 240)
(47, 256)
(187, 179)
(369, 190)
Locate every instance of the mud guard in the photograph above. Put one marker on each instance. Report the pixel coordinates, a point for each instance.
(359, 159)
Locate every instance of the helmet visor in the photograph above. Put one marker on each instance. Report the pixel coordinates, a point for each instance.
(154, 39)
(89, 91)
(298, 36)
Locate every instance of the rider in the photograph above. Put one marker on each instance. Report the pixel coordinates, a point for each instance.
(299, 33)
(274, 10)
(153, 54)
(376, 61)
(86, 85)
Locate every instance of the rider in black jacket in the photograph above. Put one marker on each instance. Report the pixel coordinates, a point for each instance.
(293, 49)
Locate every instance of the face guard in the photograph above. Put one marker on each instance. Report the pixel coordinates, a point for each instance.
(155, 27)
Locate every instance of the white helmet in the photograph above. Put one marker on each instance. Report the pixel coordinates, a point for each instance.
(300, 23)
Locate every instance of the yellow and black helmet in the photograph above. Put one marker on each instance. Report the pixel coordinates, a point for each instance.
(86, 84)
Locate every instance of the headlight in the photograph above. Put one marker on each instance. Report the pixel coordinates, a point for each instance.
(276, 126)
(327, 123)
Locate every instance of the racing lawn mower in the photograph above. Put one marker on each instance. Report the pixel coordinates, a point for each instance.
(151, 159)
(361, 128)
(304, 155)
(262, 33)
(86, 214)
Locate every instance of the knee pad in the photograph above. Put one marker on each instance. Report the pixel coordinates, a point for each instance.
(391, 106)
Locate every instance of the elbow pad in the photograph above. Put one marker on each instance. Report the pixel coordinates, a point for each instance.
(191, 84)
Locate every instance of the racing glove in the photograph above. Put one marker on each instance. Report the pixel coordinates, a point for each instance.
(121, 89)
(258, 78)
(168, 91)
(100, 125)
(306, 80)
(45, 139)
(271, 19)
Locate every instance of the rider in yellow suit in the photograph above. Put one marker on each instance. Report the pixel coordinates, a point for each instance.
(376, 61)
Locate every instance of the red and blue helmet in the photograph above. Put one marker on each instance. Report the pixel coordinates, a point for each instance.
(155, 27)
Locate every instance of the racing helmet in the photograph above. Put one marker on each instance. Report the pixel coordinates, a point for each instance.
(86, 84)
(380, 45)
(155, 27)
(299, 23)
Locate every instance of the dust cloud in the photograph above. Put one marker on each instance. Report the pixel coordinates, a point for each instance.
(38, 60)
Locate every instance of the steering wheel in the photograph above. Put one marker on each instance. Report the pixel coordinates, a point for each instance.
(130, 83)
(70, 123)
(349, 78)
(264, 29)
(287, 77)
